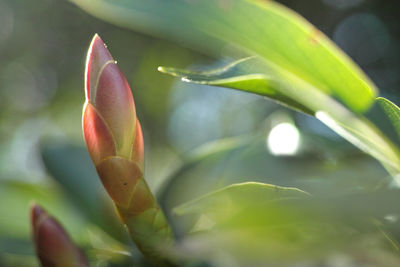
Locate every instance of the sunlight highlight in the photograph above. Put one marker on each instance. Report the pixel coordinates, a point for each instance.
(283, 139)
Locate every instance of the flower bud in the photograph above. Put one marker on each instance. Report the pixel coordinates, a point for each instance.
(114, 139)
(109, 119)
(52, 243)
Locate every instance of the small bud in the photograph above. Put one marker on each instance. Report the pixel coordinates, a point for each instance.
(52, 243)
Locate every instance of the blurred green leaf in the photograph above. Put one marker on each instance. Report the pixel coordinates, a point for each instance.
(73, 169)
(300, 62)
(322, 167)
(300, 230)
(244, 75)
(285, 40)
(253, 76)
(291, 227)
(224, 200)
(392, 111)
(16, 248)
(16, 197)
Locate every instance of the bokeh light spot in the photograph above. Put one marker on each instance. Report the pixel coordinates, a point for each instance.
(283, 139)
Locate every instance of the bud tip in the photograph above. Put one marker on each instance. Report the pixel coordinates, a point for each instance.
(98, 56)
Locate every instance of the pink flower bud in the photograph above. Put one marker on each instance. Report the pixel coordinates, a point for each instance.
(52, 243)
(109, 119)
(114, 139)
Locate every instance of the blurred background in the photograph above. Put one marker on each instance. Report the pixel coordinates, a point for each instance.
(43, 47)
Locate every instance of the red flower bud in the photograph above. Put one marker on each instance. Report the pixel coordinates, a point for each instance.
(109, 119)
(114, 139)
(52, 243)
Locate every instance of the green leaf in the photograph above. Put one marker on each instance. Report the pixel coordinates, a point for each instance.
(244, 75)
(322, 166)
(17, 197)
(285, 40)
(73, 169)
(300, 65)
(392, 111)
(250, 75)
(229, 198)
(289, 231)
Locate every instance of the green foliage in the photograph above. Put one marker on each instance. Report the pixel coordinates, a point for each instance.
(297, 60)
(251, 76)
(224, 200)
(321, 166)
(248, 74)
(20, 194)
(289, 231)
(217, 215)
(287, 42)
(14, 224)
(392, 111)
(348, 204)
(15, 229)
(72, 168)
